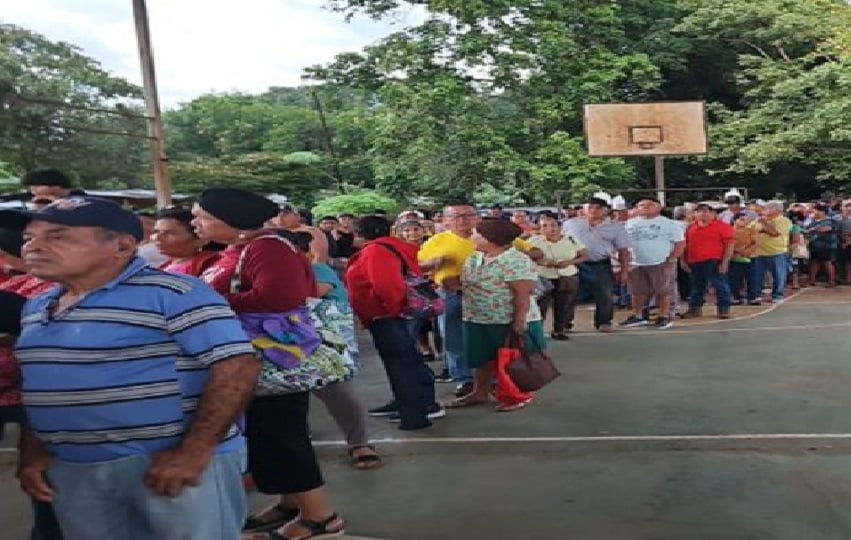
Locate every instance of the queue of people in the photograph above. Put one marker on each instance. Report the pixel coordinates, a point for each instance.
(149, 383)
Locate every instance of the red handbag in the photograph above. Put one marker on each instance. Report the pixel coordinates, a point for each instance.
(506, 390)
(530, 370)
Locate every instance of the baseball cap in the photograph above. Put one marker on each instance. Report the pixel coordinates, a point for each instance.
(715, 207)
(77, 212)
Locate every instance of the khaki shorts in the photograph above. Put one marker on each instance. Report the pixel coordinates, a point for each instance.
(649, 280)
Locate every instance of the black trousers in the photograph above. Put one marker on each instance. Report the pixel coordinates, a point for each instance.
(280, 455)
(563, 300)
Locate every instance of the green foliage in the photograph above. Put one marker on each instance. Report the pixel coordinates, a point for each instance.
(48, 95)
(355, 203)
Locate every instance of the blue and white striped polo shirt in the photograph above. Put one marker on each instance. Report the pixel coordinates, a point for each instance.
(121, 373)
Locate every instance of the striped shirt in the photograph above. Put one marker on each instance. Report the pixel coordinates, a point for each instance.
(121, 372)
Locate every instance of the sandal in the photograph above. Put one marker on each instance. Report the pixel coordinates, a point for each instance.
(316, 530)
(364, 462)
(511, 407)
(285, 515)
(465, 401)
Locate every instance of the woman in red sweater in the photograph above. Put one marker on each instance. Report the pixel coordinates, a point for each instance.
(274, 278)
(377, 292)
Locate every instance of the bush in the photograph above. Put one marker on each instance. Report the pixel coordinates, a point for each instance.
(356, 203)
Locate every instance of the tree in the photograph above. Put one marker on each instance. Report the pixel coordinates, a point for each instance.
(59, 108)
(492, 93)
(793, 73)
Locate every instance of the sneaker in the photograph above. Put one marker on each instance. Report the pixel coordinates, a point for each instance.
(605, 328)
(633, 321)
(435, 412)
(754, 302)
(463, 389)
(724, 314)
(444, 377)
(385, 410)
(737, 302)
(662, 323)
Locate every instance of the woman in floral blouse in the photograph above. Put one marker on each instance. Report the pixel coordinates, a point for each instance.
(498, 283)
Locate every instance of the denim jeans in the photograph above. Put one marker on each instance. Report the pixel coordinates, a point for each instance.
(452, 328)
(410, 379)
(778, 266)
(601, 284)
(703, 273)
(110, 501)
(743, 274)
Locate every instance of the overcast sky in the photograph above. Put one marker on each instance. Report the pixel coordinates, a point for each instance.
(206, 45)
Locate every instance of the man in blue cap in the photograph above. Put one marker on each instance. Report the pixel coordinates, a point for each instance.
(133, 379)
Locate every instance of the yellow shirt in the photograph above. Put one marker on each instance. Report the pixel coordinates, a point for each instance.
(767, 245)
(454, 250)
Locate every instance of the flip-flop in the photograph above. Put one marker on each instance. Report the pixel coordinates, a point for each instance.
(511, 407)
(464, 402)
(364, 462)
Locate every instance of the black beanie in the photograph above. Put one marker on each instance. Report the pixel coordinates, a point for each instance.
(238, 208)
(11, 241)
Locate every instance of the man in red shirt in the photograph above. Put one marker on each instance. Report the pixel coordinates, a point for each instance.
(709, 248)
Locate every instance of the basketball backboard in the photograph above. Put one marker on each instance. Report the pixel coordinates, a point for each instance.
(646, 129)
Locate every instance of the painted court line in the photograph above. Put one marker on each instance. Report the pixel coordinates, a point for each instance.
(608, 439)
(694, 330)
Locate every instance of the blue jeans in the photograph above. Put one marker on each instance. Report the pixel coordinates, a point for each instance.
(452, 328)
(410, 379)
(109, 501)
(778, 267)
(601, 285)
(743, 274)
(703, 273)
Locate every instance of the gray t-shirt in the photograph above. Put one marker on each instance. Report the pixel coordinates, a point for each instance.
(653, 240)
(602, 241)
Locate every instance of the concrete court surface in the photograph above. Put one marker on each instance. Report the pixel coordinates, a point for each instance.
(731, 430)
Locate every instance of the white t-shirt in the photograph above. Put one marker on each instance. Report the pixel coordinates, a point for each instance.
(152, 255)
(652, 240)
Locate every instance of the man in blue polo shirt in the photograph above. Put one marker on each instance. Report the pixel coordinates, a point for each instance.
(133, 379)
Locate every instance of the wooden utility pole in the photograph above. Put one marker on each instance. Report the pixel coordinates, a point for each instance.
(329, 145)
(159, 159)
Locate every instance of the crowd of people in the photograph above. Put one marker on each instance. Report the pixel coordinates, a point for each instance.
(160, 363)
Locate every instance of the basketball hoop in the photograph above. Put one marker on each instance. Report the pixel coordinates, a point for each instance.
(647, 145)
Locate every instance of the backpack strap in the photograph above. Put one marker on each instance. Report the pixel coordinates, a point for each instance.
(406, 270)
(236, 279)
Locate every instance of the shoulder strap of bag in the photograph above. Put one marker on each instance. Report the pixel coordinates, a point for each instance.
(236, 279)
(406, 270)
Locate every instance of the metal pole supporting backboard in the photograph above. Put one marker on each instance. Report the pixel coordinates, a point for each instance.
(659, 173)
(159, 159)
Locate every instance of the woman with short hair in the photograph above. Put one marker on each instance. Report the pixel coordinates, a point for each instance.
(499, 283)
(561, 255)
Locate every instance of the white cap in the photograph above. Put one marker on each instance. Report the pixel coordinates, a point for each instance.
(618, 203)
(603, 195)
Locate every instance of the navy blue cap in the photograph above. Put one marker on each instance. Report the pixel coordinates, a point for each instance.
(78, 212)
